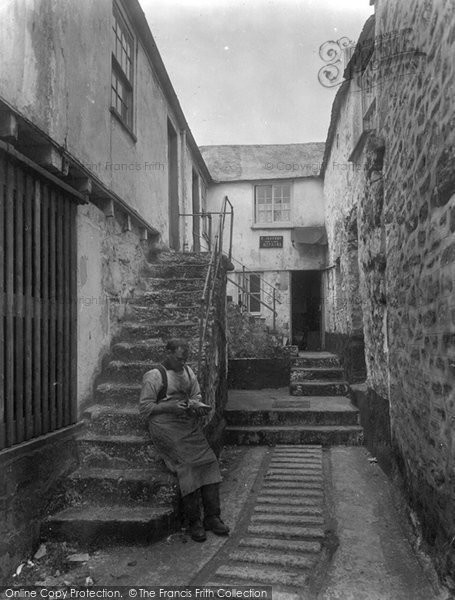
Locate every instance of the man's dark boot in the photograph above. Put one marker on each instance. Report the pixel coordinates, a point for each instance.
(211, 503)
(192, 510)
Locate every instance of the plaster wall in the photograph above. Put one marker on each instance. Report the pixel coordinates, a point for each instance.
(109, 266)
(307, 210)
(53, 77)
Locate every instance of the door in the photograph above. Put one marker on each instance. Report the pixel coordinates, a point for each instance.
(38, 302)
(196, 204)
(173, 187)
(306, 309)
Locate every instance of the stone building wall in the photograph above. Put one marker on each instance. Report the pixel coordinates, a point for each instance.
(404, 198)
(416, 118)
(28, 474)
(343, 188)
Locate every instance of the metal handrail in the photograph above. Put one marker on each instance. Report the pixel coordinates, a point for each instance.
(250, 271)
(212, 272)
(254, 295)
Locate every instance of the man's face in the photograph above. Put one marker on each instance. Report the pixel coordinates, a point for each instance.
(178, 358)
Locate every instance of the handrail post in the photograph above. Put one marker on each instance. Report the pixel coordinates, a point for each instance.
(274, 310)
(210, 233)
(245, 297)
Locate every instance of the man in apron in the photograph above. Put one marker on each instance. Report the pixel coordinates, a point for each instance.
(171, 402)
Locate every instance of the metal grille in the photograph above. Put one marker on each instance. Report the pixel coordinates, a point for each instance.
(38, 304)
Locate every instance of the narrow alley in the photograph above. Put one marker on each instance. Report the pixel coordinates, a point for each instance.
(227, 310)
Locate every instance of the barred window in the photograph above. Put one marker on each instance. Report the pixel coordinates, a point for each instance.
(273, 203)
(122, 69)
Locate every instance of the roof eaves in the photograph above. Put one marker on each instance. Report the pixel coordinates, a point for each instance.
(359, 60)
(139, 20)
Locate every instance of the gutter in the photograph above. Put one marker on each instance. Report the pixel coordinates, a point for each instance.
(139, 20)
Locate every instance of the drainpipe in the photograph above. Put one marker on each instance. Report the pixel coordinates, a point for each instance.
(183, 188)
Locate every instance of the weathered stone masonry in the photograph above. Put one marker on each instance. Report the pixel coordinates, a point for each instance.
(402, 193)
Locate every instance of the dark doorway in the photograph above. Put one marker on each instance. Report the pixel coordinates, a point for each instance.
(196, 209)
(173, 190)
(306, 309)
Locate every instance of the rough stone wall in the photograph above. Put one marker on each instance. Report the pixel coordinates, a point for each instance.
(343, 187)
(109, 265)
(213, 378)
(416, 121)
(373, 257)
(27, 477)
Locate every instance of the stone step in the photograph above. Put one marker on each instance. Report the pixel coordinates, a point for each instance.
(146, 309)
(97, 525)
(152, 350)
(351, 435)
(117, 394)
(281, 544)
(162, 297)
(178, 284)
(182, 270)
(286, 509)
(273, 499)
(319, 388)
(286, 531)
(279, 559)
(315, 360)
(290, 417)
(132, 486)
(298, 520)
(149, 329)
(115, 420)
(266, 575)
(116, 451)
(128, 371)
(300, 374)
(304, 495)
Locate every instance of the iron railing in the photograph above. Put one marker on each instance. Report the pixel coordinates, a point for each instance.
(215, 246)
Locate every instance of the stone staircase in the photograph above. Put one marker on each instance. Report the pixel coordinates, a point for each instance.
(316, 409)
(121, 490)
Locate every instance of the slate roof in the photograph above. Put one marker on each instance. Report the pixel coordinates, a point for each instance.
(269, 161)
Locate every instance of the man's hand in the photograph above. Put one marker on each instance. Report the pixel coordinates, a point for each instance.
(199, 408)
(176, 407)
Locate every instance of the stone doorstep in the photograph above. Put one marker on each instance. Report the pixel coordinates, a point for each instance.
(319, 388)
(96, 524)
(316, 373)
(289, 416)
(325, 435)
(315, 362)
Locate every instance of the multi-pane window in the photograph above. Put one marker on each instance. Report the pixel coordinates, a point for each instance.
(273, 203)
(122, 69)
(250, 291)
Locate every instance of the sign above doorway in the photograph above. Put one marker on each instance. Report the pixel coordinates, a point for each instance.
(270, 241)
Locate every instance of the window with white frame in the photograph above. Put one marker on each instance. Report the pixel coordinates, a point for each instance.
(122, 69)
(250, 291)
(273, 203)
